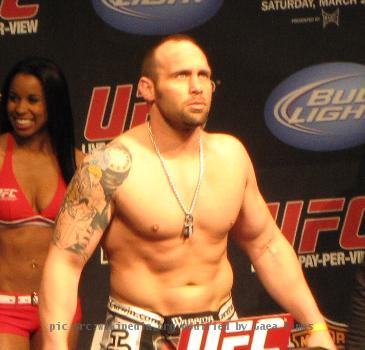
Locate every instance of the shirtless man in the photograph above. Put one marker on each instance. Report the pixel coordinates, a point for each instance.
(161, 198)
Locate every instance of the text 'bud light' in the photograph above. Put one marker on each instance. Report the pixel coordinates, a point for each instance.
(156, 17)
(320, 108)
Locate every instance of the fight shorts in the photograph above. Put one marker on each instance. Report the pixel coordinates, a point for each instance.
(130, 327)
(19, 314)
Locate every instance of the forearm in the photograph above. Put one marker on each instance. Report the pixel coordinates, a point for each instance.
(275, 261)
(280, 272)
(58, 298)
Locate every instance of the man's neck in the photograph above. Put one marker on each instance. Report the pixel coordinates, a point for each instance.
(172, 141)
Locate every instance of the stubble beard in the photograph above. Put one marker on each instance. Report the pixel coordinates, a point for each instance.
(187, 121)
(194, 120)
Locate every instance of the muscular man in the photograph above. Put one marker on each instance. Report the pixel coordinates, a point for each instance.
(162, 198)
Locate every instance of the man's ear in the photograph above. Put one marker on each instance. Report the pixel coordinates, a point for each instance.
(146, 89)
(213, 85)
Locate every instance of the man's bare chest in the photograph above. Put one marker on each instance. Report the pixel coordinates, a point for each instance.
(149, 203)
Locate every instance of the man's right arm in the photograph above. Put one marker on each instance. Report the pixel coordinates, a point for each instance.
(84, 215)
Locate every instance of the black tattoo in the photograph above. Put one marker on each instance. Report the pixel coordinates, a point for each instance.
(86, 208)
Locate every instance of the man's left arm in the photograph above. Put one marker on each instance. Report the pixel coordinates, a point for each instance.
(275, 260)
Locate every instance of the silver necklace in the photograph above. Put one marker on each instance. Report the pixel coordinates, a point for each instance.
(189, 218)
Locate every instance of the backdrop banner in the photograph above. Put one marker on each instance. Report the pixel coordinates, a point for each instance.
(290, 78)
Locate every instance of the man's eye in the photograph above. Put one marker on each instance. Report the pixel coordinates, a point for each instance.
(181, 76)
(204, 76)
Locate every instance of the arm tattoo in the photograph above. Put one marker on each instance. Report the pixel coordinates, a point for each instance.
(86, 207)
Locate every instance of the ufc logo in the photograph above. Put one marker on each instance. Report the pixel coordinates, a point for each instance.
(323, 216)
(11, 10)
(257, 333)
(103, 126)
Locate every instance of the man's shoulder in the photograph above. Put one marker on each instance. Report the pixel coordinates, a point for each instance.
(114, 155)
(131, 137)
(222, 137)
(226, 143)
(124, 140)
(118, 150)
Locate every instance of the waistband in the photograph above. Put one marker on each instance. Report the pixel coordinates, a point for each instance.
(20, 299)
(225, 312)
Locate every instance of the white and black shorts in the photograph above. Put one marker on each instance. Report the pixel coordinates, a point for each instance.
(132, 328)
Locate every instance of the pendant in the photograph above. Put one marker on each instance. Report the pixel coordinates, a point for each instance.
(188, 226)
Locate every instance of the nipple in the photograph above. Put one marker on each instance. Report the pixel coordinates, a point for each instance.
(35, 265)
(155, 228)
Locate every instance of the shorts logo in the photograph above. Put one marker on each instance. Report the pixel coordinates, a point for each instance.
(156, 17)
(119, 340)
(320, 108)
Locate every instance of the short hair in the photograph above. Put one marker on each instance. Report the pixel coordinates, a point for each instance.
(149, 66)
(58, 105)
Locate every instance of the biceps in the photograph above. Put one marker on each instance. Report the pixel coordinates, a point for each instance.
(79, 232)
(254, 214)
(84, 215)
(86, 211)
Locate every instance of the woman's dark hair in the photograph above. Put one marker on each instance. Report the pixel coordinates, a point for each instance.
(59, 113)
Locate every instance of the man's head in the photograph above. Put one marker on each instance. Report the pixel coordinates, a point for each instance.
(176, 81)
(150, 64)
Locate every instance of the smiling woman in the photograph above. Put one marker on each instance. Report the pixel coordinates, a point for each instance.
(26, 105)
(37, 161)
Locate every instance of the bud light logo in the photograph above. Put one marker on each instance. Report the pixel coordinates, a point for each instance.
(156, 17)
(320, 108)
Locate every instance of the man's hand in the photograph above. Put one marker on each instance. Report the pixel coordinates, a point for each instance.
(322, 338)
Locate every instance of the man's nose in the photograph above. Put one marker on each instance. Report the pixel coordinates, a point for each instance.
(195, 85)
